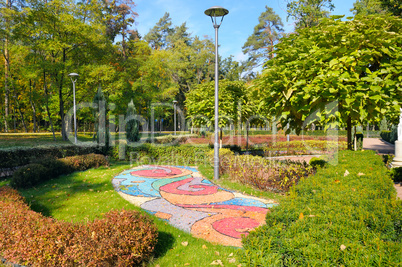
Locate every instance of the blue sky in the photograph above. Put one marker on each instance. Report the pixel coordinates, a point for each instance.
(236, 27)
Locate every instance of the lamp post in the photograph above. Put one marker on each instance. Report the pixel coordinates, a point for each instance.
(74, 75)
(174, 121)
(216, 12)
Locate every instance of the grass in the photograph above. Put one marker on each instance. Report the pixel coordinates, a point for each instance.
(84, 196)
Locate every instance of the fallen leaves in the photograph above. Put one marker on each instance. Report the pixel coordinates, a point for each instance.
(185, 244)
(217, 262)
(346, 173)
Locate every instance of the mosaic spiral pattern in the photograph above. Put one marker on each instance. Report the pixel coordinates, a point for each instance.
(181, 196)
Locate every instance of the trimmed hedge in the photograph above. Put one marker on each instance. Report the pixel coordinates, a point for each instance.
(264, 174)
(49, 168)
(20, 156)
(151, 154)
(390, 136)
(345, 215)
(121, 238)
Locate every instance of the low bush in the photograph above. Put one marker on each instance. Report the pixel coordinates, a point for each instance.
(345, 215)
(317, 162)
(396, 174)
(265, 174)
(152, 153)
(20, 156)
(84, 162)
(306, 147)
(390, 136)
(121, 238)
(359, 140)
(49, 168)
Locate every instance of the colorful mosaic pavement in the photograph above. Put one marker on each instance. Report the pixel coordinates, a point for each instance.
(181, 196)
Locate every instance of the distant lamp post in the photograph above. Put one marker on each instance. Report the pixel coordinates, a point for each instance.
(73, 77)
(174, 121)
(216, 12)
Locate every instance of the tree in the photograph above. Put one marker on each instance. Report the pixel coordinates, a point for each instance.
(156, 37)
(307, 13)
(393, 6)
(341, 72)
(233, 103)
(367, 7)
(100, 112)
(132, 127)
(266, 34)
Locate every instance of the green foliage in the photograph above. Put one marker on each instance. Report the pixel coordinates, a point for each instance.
(121, 238)
(307, 13)
(28, 176)
(132, 127)
(20, 156)
(333, 218)
(367, 7)
(317, 162)
(335, 72)
(157, 36)
(266, 34)
(49, 168)
(102, 135)
(233, 103)
(359, 140)
(173, 155)
(307, 147)
(396, 174)
(393, 6)
(264, 174)
(390, 136)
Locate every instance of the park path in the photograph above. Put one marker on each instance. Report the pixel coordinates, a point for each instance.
(184, 198)
(382, 147)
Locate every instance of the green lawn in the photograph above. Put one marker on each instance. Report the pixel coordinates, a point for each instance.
(83, 196)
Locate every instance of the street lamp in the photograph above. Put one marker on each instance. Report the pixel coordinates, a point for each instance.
(174, 121)
(74, 75)
(215, 12)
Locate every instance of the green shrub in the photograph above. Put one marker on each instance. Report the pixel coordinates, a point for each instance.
(263, 173)
(317, 162)
(333, 219)
(390, 136)
(121, 238)
(49, 168)
(153, 153)
(20, 156)
(28, 176)
(359, 140)
(396, 174)
(306, 147)
(84, 162)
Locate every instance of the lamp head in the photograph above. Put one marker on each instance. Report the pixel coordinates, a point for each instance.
(73, 75)
(216, 12)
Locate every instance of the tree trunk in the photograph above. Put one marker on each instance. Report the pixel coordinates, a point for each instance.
(19, 111)
(349, 133)
(61, 102)
(6, 74)
(32, 105)
(47, 104)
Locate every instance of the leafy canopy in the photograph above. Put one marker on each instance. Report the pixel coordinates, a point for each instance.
(339, 69)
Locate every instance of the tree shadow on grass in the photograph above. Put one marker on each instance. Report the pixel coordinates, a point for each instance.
(165, 243)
